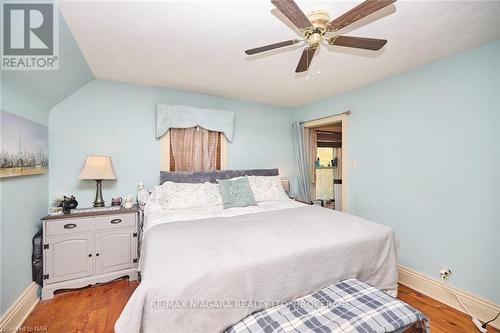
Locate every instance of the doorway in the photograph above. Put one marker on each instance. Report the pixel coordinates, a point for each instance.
(329, 178)
(328, 165)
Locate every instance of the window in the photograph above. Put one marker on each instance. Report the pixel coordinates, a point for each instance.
(193, 149)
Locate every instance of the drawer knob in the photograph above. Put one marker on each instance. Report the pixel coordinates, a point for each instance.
(69, 226)
(116, 221)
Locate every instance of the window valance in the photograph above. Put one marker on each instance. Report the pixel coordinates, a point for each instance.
(179, 116)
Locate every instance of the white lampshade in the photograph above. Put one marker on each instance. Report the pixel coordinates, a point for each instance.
(286, 184)
(98, 168)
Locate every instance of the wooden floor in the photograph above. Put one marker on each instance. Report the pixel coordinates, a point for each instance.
(442, 317)
(95, 310)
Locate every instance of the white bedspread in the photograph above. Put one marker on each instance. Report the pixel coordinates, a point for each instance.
(276, 255)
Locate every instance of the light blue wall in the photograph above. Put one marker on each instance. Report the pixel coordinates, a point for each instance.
(118, 119)
(31, 94)
(427, 146)
(426, 141)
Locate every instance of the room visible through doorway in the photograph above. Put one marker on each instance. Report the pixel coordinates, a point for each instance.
(328, 166)
(328, 137)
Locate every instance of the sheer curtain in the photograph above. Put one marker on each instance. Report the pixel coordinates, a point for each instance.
(304, 158)
(312, 155)
(194, 149)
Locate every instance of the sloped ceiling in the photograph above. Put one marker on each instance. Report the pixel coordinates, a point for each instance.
(198, 45)
(33, 94)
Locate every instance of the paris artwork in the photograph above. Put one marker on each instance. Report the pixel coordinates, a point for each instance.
(24, 146)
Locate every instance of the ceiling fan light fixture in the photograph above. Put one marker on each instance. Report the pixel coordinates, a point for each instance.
(319, 18)
(315, 24)
(314, 39)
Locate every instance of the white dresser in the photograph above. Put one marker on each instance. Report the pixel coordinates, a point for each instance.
(88, 248)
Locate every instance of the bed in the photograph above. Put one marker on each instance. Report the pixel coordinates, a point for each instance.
(206, 268)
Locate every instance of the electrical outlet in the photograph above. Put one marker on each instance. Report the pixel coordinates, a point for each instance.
(445, 273)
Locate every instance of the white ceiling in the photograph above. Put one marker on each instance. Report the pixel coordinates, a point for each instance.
(198, 46)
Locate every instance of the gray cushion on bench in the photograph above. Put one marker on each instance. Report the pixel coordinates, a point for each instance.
(211, 176)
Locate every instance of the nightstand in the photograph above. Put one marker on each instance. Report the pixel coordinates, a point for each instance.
(81, 249)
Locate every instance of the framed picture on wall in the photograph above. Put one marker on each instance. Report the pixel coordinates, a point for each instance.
(24, 146)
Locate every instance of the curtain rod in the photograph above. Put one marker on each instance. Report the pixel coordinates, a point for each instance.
(333, 115)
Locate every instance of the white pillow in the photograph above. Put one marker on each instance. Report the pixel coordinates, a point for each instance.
(185, 195)
(267, 188)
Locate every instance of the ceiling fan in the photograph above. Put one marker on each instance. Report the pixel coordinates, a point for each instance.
(316, 24)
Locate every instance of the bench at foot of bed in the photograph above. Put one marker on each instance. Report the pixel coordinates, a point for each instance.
(348, 306)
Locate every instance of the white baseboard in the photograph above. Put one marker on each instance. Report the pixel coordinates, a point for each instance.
(12, 320)
(479, 307)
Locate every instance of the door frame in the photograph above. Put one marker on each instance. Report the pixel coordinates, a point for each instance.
(340, 118)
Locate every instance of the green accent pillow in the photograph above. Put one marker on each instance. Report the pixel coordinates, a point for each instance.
(236, 192)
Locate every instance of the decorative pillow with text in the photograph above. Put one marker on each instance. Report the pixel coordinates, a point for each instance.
(236, 192)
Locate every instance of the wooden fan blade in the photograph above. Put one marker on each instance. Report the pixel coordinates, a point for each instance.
(364, 9)
(358, 42)
(305, 59)
(272, 46)
(290, 9)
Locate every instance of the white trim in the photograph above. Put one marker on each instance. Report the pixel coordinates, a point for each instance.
(165, 152)
(481, 308)
(223, 153)
(341, 118)
(12, 320)
(325, 121)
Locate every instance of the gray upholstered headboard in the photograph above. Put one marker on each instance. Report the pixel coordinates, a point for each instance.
(211, 176)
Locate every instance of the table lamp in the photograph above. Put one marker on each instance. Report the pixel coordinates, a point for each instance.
(98, 168)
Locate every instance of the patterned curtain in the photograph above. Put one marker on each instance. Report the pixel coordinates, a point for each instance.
(194, 149)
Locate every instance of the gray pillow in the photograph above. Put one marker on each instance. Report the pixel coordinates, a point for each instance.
(236, 192)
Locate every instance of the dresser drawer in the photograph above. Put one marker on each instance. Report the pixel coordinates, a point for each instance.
(68, 226)
(115, 221)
